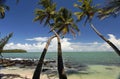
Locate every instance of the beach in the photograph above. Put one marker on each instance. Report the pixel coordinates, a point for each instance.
(95, 72)
(78, 65)
(26, 70)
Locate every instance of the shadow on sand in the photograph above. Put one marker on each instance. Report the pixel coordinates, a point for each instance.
(11, 76)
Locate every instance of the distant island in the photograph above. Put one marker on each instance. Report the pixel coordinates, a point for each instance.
(14, 51)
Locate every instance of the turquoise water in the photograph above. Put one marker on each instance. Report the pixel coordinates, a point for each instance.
(74, 57)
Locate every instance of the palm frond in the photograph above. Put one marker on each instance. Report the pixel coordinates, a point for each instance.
(3, 8)
(2, 12)
(64, 22)
(65, 30)
(46, 13)
(72, 32)
(79, 15)
(75, 27)
(112, 8)
(86, 10)
(4, 41)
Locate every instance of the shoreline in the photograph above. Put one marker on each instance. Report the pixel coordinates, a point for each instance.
(23, 69)
(93, 72)
(6, 62)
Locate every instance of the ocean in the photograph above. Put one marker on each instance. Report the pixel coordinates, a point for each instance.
(107, 58)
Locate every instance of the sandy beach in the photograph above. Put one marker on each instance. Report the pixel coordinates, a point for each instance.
(90, 68)
(93, 72)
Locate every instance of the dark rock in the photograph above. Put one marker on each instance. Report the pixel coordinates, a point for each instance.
(72, 71)
(44, 70)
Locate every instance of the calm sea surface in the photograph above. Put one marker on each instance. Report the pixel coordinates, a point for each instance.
(74, 57)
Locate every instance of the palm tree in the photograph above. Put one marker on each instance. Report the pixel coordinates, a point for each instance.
(44, 14)
(3, 8)
(47, 13)
(112, 8)
(88, 11)
(38, 69)
(64, 23)
(4, 41)
(60, 19)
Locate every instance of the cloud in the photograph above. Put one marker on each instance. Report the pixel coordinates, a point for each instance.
(114, 40)
(41, 39)
(66, 45)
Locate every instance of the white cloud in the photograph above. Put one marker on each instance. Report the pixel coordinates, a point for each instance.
(114, 40)
(66, 45)
(41, 39)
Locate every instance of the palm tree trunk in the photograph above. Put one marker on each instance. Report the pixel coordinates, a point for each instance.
(38, 69)
(106, 40)
(62, 74)
(4, 41)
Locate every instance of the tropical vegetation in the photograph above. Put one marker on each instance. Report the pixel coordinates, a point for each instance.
(4, 41)
(14, 51)
(60, 22)
(3, 8)
(112, 8)
(87, 10)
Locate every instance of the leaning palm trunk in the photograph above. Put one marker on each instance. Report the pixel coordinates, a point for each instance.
(38, 69)
(106, 40)
(4, 41)
(62, 74)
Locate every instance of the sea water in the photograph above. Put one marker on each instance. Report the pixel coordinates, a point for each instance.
(74, 57)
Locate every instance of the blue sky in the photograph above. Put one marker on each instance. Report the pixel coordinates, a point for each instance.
(28, 33)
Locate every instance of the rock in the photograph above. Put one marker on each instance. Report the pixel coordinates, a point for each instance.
(72, 71)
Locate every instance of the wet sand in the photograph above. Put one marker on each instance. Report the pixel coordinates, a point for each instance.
(92, 72)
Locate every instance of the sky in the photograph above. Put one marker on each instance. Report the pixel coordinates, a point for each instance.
(32, 36)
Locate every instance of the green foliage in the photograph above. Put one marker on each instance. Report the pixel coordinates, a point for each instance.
(87, 10)
(62, 21)
(112, 8)
(46, 13)
(3, 9)
(4, 41)
(14, 51)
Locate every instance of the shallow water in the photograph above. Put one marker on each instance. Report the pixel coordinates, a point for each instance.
(100, 65)
(98, 72)
(106, 58)
(93, 72)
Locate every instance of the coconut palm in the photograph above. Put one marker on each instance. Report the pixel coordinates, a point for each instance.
(38, 69)
(88, 11)
(112, 8)
(3, 8)
(45, 14)
(63, 24)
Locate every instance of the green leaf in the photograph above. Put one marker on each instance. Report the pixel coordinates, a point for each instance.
(74, 26)
(79, 15)
(80, 0)
(76, 5)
